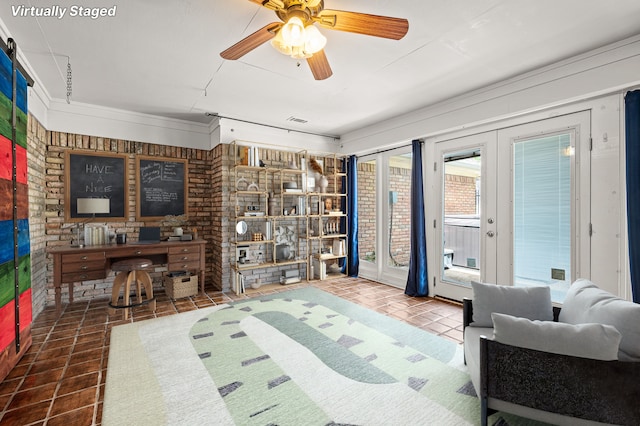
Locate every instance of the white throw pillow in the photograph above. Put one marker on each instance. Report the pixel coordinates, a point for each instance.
(595, 341)
(586, 303)
(526, 302)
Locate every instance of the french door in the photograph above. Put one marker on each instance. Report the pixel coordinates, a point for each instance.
(514, 207)
(465, 177)
(384, 216)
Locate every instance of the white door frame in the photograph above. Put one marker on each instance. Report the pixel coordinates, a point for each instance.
(498, 267)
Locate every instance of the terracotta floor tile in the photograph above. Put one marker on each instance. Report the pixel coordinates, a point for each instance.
(26, 415)
(90, 355)
(59, 343)
(83, 368)
(72, 401)
(70, 353)
(45, 355)
(32, 396)
(81, 417)
(8, 386)
(50, 364)
(78, 383)
(35, 380)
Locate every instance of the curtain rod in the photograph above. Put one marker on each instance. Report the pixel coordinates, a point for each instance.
(390, 149)
(213, 114)
(8, 48)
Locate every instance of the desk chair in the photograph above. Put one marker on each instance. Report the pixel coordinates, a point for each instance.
(132, 271)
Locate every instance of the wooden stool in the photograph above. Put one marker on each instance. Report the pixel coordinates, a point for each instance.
(132, 271)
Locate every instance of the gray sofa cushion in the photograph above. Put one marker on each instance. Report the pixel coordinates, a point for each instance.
(472, 352)
(533, 303)
(595, 341)
(586, 303)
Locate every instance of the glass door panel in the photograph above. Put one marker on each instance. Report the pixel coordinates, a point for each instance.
(465, 229)
(461, 220)
(399, 216)
(542, 212)
(547, 198)
(384, 216)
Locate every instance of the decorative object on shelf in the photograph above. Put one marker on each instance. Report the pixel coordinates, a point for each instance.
(242, 184)
(241, 227)
(315, 166)
(257, 236)
(328, 204)
(322, 184)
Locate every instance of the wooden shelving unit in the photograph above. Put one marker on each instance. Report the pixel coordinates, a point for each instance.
(284, 228)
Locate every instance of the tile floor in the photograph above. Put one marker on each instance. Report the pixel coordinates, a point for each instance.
(61, 379)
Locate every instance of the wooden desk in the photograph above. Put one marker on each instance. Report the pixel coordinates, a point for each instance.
(75, 264)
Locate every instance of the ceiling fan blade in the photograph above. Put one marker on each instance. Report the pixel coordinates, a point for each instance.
(320, 66)
(363, 23)
(270, 4)
(252, 41)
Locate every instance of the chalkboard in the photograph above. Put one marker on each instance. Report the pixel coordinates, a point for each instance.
(95, 175)
(161, 187)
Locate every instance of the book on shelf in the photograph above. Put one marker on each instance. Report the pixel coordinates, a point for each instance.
(319, 269)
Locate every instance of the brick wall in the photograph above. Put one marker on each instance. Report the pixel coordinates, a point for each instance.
(200, 208)
(400, 182)
(211, 208)
(367, 210)
(460, 195)
(400, 250)
(37, 138)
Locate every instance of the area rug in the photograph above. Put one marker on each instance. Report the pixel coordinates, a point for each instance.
(302, 357)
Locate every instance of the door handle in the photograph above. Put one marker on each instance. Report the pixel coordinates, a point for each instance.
(490, 234)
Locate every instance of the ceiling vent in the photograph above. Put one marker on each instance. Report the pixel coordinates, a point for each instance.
(297, 120)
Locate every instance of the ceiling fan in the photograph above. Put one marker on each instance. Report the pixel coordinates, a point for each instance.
(297, 36)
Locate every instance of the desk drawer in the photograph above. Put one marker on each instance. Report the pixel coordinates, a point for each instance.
(184, 265)
(183, 257)
(82, 257)
(83, 267)
(74, 277)
(186, 249)
(139, 251)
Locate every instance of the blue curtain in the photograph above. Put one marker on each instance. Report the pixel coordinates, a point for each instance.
(353, 257)
(632, 134)
(417, 281)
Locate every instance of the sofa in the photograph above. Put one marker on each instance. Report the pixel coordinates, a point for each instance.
(570, 366)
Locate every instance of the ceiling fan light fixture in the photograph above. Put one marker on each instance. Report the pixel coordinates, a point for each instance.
(280, 45)
(314, 40)
(293, 32)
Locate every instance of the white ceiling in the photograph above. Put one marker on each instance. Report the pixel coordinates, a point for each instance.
(162, 57)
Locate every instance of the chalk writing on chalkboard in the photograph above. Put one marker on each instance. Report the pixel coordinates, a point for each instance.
(161, 187)
(95, 175)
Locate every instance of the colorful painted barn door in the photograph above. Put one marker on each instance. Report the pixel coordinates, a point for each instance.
(15, 256)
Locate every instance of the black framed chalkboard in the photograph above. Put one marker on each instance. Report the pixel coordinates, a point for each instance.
(161, 187)
(95, 175)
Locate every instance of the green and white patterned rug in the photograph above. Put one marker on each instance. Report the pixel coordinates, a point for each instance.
(302, 357)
